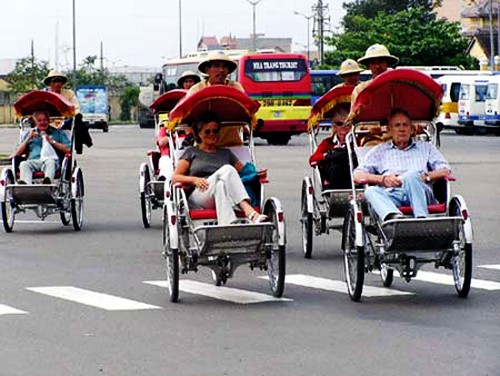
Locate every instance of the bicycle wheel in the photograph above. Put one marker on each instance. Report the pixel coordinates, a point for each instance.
(462, 260)
(307, 224)
(276, 259)
(172, 263)
(354, 258)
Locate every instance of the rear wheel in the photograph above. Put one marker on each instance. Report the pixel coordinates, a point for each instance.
(276, 259)
(462, 260)
(387, 275)
(8, 215)
(77, 204)
(307, 224)
(65, 218)
(278, 139)
(354, 258)
(146, 199)
(172, 263)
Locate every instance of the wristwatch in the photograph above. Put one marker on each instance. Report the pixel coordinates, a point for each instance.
(427, 178)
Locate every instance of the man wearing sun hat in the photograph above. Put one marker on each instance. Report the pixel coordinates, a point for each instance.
(378, 59)
(349, 71)
(188, 79)
(217, 66)
(55, 81)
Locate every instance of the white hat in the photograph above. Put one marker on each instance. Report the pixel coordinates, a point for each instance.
(217, 56)
(54, 74)
(188, 74)
(349, 66)
(377, 51)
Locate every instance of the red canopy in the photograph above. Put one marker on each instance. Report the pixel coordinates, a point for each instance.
(228, 103)
(407, 89)
(41, 100)
(329, 103)
(166, 102)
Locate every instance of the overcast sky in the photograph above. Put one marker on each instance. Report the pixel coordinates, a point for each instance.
(144, 32)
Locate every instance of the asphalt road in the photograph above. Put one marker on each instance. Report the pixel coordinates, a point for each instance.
(423, 328)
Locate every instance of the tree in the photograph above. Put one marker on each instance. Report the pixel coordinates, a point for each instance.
(129, 99)
(370, 8)
(27, 75)
(416, 36)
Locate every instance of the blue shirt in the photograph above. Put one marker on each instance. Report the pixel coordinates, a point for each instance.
(387, 159)
(35, 144)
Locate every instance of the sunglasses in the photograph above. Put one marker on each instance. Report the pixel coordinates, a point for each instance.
(56, 80)
(208, 131)
(340, 124)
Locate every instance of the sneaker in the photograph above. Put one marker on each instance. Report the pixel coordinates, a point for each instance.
(21, 182)
(46, 181)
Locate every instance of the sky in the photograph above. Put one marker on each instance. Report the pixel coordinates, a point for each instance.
(144, 32)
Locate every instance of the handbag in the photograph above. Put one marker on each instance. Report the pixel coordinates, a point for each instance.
(47, 151)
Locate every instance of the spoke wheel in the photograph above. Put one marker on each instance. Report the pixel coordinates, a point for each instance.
(307, 225)
(462, 261)
(8, 215)
(354, 258)
(172, 264)
(276, 259)
(77, 204)
(65, 218)
(146, 200)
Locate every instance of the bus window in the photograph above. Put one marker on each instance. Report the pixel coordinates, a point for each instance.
(492, 91)
(454, 91)
(464, 91)
(481, 93)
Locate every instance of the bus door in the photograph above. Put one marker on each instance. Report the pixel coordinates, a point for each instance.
(472, 101)
(492, 104)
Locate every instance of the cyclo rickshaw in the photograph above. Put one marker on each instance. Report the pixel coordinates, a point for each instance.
(192, 237)
(65, 194)
(322, 208)
(151, 186)
(405, 244)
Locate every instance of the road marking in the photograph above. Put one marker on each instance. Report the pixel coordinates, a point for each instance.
(339, 286)
(494, 267)
(7, 310)
(221, 292)
(91, 298)
(447, 279)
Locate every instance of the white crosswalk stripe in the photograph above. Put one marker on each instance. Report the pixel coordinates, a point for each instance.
(493, 267)
(221, 292)
(7, 310)
(338, 286)
(91, 298)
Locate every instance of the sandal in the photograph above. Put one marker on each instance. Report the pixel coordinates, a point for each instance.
(257, 218)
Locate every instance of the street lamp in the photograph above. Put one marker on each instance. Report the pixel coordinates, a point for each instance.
(74, 46)
(308, 18)
(254, 38)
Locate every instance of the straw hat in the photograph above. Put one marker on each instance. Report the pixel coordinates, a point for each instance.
(377, 51)
(53, 74)
(217, 56)
(349, 66)
(188, 74)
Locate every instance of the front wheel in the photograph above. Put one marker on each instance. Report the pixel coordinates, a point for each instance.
(8, 214)
(172, 263)
(462, 260)
(354, 258)
(276, 258)
(387, 275)
(146, 199)
(307, 225)
(77, 204)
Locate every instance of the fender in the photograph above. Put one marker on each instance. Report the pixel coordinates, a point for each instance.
(360, 238)
(310, 200)
(468, 233)
(6, 173)
(281, 224)
(74, 178)
(142, 178)
(172, 228)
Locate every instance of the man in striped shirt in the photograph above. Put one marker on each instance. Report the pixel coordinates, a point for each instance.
(400, 171)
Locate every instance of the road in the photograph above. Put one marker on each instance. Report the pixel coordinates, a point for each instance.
(79, 303)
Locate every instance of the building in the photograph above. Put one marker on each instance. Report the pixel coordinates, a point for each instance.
(233, 43)
(140, 76)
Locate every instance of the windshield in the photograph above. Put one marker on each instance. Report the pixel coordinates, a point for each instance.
(321, 83)
(492, 91)
(171, 73)
(275, 70)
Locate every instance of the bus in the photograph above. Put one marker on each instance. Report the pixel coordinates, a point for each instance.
(281, 83)
(324, 80)
(471, 103)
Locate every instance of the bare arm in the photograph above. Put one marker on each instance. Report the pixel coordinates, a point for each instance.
(22, 147)
(57, 145)
(180, 176)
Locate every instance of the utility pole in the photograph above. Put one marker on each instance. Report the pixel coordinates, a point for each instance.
(319, 11)
(33, 78)
(180, 28)
(254, 34)
(74, 46)
(102, 58)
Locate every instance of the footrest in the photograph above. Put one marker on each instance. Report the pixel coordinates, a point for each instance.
(233, 239)
(421, 234)
(29, 194)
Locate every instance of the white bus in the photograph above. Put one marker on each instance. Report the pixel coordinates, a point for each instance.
(471, 103)
(492, 105)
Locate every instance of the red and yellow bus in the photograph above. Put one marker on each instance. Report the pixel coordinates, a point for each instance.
(281, 82)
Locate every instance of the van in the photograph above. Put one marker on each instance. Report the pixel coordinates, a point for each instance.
(471, 103)
(492, 105)
(448, 115)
